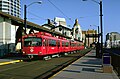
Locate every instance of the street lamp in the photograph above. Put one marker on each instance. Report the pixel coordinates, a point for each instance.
(100, 3)
(25, 12)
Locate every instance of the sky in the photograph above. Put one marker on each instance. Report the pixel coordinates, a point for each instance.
(87, 12)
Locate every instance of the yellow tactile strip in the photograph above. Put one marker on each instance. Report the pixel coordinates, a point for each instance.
(10, 62)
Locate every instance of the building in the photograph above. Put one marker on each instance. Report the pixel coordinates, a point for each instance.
(63, 30)
(112, 40)
(89, 37)
(77, 31)
(49, 25)
(60, 21)
(58, 25)
(7, 35)
(11, 7)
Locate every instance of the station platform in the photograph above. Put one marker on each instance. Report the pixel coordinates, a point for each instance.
(87, 67)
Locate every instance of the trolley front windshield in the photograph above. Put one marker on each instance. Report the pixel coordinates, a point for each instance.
(32, 41)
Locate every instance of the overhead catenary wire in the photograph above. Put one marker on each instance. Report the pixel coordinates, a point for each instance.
(60, 10)
(37, 16)
(89, 16)
(34, 15)
(56, 8)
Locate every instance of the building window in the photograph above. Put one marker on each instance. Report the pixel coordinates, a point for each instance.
(5, 2)
(4, 9)
(5, 5)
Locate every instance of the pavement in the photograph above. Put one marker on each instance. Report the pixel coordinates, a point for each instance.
(87, 67)
(9, 61)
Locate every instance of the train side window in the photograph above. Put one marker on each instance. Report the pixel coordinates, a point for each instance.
(66, 44)
(52, 42)
(72, 44)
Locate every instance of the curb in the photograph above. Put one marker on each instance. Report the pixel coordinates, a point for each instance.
(10, 62)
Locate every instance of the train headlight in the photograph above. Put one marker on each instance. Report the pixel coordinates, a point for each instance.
(23, 52)
(40, 52)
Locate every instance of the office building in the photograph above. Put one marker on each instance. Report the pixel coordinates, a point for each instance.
(11, 7)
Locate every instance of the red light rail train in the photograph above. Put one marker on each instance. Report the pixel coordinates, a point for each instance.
(46, 45)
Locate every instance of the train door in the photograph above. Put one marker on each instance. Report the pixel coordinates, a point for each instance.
(45, 46)
(58, 46)
(63, 46)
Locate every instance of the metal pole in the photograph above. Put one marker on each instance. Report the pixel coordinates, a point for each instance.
(21, 28)
(95, 35)
(85, 40)
(101, 26)
(25, 26)
(25, 14)
(98, 34)
(88, 40)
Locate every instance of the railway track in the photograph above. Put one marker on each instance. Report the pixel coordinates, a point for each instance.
(38, 69)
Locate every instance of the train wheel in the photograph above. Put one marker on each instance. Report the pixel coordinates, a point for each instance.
(65, 54)
(47, 58)
(71, 52)
(58, 55)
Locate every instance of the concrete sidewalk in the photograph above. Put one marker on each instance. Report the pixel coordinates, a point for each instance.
(8, 61)
(87, 67)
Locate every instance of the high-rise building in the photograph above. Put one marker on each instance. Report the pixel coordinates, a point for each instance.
(11, 7)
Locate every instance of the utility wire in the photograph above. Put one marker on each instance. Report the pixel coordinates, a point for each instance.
(59, 10)
(89, 16)
(37, 16)
(34, 15)
(56, 8)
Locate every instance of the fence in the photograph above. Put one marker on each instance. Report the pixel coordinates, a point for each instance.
(115, 59)
(6, 48)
